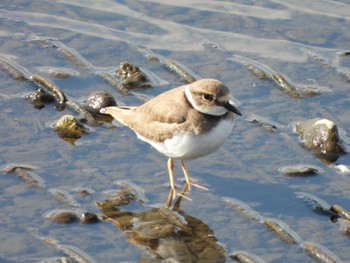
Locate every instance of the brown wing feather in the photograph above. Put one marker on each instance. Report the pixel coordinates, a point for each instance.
(158, 118)
(164, 108)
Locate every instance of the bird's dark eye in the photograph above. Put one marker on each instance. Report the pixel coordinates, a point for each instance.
(207, 97)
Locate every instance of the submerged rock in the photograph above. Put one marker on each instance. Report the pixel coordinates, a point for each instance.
(300, 170)
(83, 191)
(24, 171)
(344, 227)
(242, 256)
(321, 136)
(282, 230)
(317, 204)
(39, 98)
(69, 216)
(63, 197)
(132, 76)
(69, 128)
(62, 216)
(73, 253)
(119, 197)
(88, 218)
(98, 100)
(341, 212)
(319, 252)
(53, 89)
(286, 85)
(265, 123)
(59, 72)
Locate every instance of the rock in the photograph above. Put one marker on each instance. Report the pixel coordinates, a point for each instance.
(39, 98)
(265, 123)
(300, 170)
(132, 77)
(321, 137)
(69, 128)
(62, 216)
(98, 100)
(119, 197)
(88, 218)
(59, 72)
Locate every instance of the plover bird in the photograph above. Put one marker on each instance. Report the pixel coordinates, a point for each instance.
(183, 123)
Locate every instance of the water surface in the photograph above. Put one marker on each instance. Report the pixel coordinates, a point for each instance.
(299, 39)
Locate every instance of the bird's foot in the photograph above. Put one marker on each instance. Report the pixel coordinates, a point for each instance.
(182, 195)
(198, 186)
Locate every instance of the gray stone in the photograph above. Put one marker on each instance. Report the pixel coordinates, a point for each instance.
(321, 137)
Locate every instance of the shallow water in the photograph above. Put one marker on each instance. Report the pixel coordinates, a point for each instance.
(299, 39)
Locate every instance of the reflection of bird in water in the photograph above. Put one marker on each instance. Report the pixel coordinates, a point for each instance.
(183, 123)
(166, 234)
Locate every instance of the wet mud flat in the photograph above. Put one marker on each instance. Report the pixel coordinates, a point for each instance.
(92, 192)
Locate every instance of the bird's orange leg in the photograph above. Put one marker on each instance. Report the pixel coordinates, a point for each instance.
(170, 198)
(187, 178)
(171, 177)
(176, 206)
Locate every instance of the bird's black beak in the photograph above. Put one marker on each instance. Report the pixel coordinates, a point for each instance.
(232, 108)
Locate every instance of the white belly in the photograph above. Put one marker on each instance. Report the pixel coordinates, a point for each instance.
(187, 146)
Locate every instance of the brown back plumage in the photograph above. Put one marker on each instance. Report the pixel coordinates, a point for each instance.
(163, 116)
